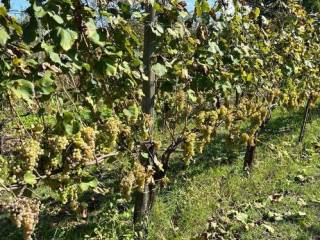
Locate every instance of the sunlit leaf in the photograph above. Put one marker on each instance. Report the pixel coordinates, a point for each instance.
(4, 36)
(67, 37)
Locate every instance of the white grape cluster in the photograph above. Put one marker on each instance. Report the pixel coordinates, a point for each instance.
(127, 185)
(83, 144)
(189, 147)
(24, 213)
(69, 193)
(206, 122)
(136, 179)
(126, 133)
(30, 152)
(111, 129)
(58, 143)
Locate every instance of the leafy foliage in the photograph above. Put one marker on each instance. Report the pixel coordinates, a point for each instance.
(82, 64)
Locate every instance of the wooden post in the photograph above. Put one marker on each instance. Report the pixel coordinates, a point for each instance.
(249, 157)
(251, 149)
(149, 45)
(143, 201)
(305, 119)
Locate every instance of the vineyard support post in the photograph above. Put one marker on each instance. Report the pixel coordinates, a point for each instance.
(305, 119)
(249, 157)
(251, 149)
(142, 200)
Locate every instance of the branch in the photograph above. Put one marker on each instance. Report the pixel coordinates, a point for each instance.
(167, 153)
(102, 158)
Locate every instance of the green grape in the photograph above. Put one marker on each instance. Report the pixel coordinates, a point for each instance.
(77, 155)
(89, 136)
(24, 213)
(78, 141)
(127, 134)
(62, 142)
(140, 175)
(30, 152)
(181, 100)
(127, 184)
(245, 137)
(212, 116)
(189, 146)
(223, 111)
(157, 145)
(201, 117)
(58, 143)
(112, 129)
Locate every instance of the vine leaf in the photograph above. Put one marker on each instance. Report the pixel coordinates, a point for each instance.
(29, 178)
(56, 17)
(39, 12)
(67, 37)
(108, 67)
(202, 6)
(159, 69)
(84, 186)
(145, 155)
(23, 89)
(55, 58)
(241, 217)
(46, 84)
(4, 36)
(92, 33)
(158, 163)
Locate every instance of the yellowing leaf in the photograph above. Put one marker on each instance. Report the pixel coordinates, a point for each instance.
(67, 37)
(56, 17)
(23, 89)
(256, 12)
(4, 36)
(92, 34)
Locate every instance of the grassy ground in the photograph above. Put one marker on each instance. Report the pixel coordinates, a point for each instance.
(214, 198)
(280, 199)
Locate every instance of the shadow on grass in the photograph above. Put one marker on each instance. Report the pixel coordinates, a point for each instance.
(222, 151)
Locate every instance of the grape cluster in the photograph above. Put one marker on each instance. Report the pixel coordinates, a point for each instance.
(157, 145)
(248, 139)
(126, 133)
(69, 193)
(83, 146)
(89, 136)
(139, 175)
(137, 179)
(314, 98)
(223, 111)
(189, 146)
(24, 213)
(58, 143)
(147, 125)
(180, 99)
(206, 122)
(30, 151)
(127, 185)
(111, 128)
(134, 113)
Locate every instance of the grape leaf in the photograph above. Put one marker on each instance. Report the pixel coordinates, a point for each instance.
(29, 178)
(67, 37)
(4, 36)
